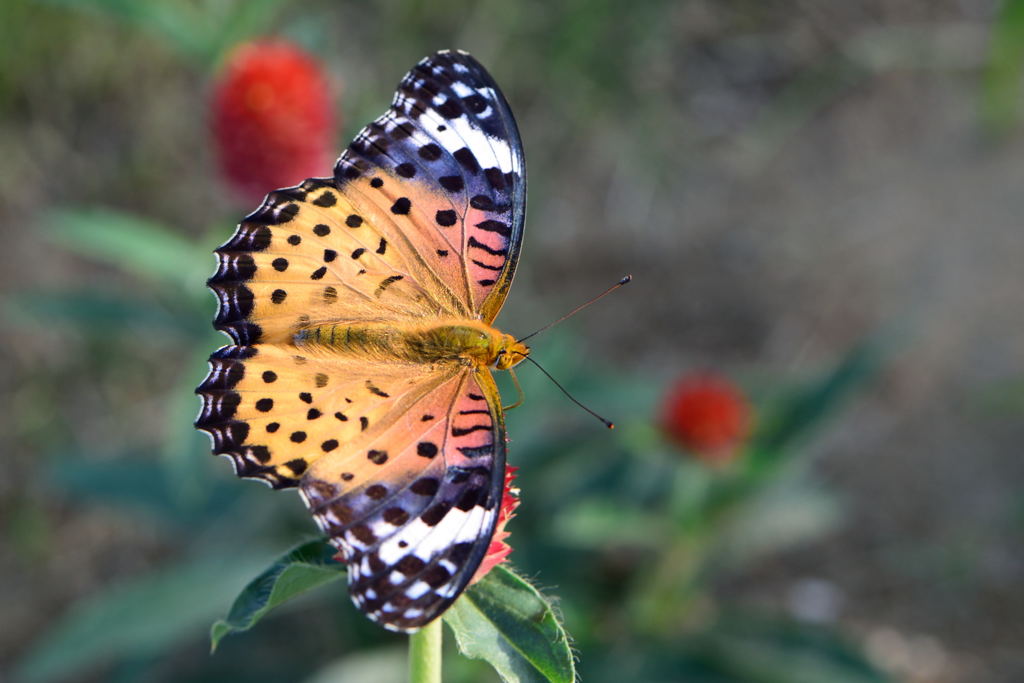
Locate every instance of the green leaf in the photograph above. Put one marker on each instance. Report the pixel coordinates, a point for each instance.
(134, 244)
(507, 622)
(777, 519)
(138, 485)
(105, 314)
(772, 650)
(236, 22)
(1001, 91)
(300, 570)
(598, 523)
(808, 407)
(198, 30)
(743, 648)
(171, 20)
(774, 446)
(137, 617)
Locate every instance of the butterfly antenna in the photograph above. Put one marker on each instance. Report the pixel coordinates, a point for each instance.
(607, 423)
(579, 308)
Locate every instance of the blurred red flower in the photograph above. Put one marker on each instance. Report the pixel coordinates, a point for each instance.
(272, 118)
(499, 550)
(707, 415)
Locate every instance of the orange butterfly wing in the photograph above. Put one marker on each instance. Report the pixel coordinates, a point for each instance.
(402, 464)
(417, 520)
(450, 130)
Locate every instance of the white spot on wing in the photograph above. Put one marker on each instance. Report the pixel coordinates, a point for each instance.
(426, 542)
(418, 589)
(489, 151)
(463, 90)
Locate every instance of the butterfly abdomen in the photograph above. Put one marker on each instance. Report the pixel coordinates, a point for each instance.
(362, 340)
(468, 342)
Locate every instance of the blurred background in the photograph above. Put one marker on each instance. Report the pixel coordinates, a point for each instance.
(818, 372)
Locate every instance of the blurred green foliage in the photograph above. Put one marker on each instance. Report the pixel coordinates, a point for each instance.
(632, 531)
(634, 535)
(1002, 92)
(199, 30)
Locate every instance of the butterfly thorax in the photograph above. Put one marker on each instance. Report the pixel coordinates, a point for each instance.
(463, 341)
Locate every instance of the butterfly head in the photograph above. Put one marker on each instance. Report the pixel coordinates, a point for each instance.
(510, 353)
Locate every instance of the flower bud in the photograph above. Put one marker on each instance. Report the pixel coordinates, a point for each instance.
(272, 118)
(707, 415)
(499, 550)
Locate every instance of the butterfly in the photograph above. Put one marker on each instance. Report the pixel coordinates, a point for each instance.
(360, 309)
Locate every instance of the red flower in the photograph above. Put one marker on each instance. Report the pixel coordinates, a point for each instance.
(499, 550)
(272, 118)
(707, 415)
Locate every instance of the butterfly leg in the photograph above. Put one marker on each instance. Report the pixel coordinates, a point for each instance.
(519, 392)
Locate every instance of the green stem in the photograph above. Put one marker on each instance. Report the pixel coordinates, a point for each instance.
(425, 654)
(670, 590)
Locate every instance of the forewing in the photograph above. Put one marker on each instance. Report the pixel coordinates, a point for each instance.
(414, 527)
(450, 148)
(313, 254)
